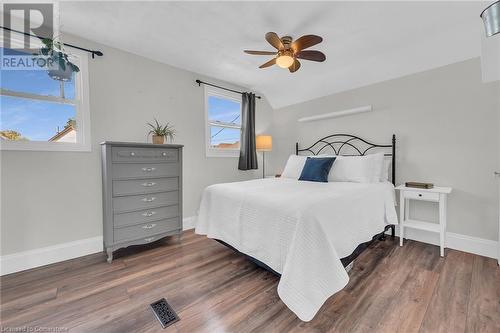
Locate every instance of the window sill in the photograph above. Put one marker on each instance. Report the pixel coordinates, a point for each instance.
(222, 153)
(44, 146)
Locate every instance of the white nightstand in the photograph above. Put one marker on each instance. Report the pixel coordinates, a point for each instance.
(436, 194)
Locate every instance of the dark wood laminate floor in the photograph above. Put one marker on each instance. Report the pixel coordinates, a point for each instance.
(213, 289)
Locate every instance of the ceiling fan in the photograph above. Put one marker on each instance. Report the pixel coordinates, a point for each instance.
(289, 51)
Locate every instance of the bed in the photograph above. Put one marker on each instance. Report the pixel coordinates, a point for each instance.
(307, 232)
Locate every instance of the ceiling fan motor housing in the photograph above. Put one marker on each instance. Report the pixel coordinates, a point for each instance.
(287, 41)
(286, 52)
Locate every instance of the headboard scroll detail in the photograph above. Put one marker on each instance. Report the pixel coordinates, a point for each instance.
(352, 146)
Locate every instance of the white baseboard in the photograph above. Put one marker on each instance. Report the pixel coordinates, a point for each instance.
(188, 222)
(479, 246)
(21, 261)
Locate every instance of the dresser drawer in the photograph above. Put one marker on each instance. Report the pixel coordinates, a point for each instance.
(131, 154)
(146, 215)
(134, 170)
(146, 230)
(140, 202)
(417, 195)
(142, 186)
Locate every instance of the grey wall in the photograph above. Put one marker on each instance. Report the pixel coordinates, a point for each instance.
(49, 198)
(446, 122)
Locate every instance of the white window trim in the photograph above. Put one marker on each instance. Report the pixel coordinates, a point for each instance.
(214, 152)
(83, 144)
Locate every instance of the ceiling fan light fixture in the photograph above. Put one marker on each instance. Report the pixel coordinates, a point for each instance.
(491, 19)
(284, 60)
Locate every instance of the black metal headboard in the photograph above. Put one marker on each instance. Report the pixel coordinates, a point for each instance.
(356, 146)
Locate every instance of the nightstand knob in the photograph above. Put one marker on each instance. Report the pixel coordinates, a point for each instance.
(419, 194)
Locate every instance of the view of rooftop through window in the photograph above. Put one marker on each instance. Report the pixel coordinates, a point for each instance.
(35, 107)
(225, 122)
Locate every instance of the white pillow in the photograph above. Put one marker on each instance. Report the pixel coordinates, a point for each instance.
(358, 169)
(378, 165)
(294, 166)
(385, 170)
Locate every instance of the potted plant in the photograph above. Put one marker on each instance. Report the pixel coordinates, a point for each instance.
(160, 132)
(58, 65)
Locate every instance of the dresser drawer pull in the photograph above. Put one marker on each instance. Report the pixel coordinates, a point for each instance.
(132, 154)
(148, 199)
(149, 184)
(148, 169)
(149, 226)
(420, 194)
(149, 239)
(148, 214)
(163, 154)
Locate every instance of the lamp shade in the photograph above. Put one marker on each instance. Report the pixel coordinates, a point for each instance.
(491, 19)
(264, 142)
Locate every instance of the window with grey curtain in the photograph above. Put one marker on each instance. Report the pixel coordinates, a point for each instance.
(248, 153)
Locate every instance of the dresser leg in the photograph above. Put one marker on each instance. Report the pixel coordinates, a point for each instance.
(109, 251)
(179, 238)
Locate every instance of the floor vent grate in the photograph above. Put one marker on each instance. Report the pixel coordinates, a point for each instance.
(164, 313)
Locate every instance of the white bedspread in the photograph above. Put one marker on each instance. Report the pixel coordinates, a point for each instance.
(300, 229)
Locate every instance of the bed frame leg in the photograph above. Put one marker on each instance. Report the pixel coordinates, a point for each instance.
(387, 227)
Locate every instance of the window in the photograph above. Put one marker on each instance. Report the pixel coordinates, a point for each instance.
(40, 113)
(223, 122)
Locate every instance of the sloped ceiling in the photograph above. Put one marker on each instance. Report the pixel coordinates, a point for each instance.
(365, 42)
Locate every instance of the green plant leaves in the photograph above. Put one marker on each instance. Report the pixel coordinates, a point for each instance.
(162, 130)
(54, 50)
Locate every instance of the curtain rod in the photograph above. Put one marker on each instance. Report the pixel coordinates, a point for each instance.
(93, 52)
(200, 82)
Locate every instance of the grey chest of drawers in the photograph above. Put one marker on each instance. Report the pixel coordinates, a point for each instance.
(142, 193)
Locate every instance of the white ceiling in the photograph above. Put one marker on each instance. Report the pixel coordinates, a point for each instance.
(365, 42)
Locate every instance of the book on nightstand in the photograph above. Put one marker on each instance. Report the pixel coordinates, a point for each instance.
(419, 185)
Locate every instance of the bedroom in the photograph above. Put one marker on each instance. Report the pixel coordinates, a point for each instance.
(292, 254)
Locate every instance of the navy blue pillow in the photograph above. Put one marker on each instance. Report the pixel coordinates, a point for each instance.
(317, 169)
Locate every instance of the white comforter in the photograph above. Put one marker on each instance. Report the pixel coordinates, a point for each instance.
(300, 229)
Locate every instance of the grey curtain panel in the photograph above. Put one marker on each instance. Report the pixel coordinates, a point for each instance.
(248, 154)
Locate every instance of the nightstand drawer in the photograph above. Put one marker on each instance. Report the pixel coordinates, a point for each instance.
(417, 195)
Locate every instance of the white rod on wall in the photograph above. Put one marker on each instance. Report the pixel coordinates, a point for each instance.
(337, 113)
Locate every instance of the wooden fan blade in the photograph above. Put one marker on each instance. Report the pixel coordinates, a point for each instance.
(311, 55)
(269, 63)
(274, 40)
(295, 67)
(260, 52)
(305, 41)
